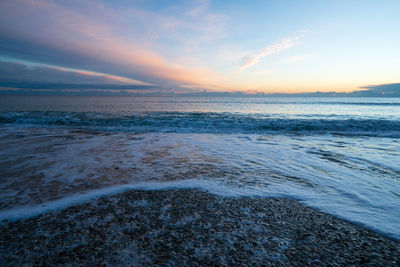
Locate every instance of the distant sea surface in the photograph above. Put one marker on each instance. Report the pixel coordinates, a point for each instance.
(339, 155)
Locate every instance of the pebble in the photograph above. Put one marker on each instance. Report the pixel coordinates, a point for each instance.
(223, 232)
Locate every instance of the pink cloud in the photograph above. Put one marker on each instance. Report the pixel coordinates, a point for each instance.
(51, 25)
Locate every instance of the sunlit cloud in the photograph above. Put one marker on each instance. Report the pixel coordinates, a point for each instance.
(103, 76)
(57, 35)
(269, 50)
(18, 74)
(272, 49)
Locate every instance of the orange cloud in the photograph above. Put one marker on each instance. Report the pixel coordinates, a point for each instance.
(86, 37)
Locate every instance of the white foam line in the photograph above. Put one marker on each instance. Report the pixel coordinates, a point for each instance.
(213, 187)
(25, 212)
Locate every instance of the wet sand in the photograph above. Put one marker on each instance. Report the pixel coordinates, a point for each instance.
(191, 227)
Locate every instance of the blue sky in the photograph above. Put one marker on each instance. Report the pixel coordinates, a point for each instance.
(250, 46)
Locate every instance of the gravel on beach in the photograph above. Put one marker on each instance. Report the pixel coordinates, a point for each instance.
(191, 227)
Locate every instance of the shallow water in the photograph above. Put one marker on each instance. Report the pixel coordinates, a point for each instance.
(336, 154)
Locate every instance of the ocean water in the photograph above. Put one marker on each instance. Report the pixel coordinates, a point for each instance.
(339, 155)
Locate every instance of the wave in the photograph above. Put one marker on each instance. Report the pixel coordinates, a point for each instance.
(206, 122)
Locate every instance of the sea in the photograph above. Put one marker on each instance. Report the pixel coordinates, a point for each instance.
(338, 155)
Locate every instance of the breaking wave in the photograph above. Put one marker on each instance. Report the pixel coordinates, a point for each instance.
(207, 122)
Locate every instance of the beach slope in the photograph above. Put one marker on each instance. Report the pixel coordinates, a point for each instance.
(191, 227)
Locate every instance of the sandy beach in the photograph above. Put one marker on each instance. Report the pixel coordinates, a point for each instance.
(191, 227)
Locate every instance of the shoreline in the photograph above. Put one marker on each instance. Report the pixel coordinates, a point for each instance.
(188, 226)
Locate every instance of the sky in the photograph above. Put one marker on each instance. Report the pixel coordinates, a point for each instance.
(265, 46)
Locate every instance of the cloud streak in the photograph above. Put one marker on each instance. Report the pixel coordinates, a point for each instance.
(270, 50)
(18, 75)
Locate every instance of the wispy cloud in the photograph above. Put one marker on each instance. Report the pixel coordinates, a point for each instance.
(17, 72)
(272, 49)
